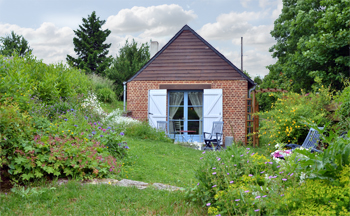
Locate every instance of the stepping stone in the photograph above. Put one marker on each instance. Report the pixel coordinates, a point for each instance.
(160, 186)
(131, 183)
(103, 181)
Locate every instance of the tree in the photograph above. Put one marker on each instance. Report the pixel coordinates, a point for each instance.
(14, 43)
(312, 41)
(90, 47)
(130, 60)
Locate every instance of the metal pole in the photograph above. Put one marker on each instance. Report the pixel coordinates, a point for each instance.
(242, 54)
(124, 98)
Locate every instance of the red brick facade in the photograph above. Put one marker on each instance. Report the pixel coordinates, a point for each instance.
(234, 101)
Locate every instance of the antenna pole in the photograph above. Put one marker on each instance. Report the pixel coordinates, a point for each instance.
(242, 54)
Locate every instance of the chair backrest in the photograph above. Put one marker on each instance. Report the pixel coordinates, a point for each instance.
(162, 126)
(312, 139)
(217, 128)
(177, 126)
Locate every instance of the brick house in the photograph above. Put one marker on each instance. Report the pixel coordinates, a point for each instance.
(189, 81)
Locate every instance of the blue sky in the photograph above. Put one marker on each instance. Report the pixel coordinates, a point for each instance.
(48, 25)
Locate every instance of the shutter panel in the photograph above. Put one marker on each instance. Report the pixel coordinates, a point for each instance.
(156, 106)
(212, 108)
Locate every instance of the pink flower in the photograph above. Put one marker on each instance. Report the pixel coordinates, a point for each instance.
(208, 204)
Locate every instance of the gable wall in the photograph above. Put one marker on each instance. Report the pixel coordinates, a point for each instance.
(234, 101)
(188, 58)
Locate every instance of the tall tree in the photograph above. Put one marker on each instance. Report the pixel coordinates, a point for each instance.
(312, 41)
(14, 43)
(90, 47)
(130, 60)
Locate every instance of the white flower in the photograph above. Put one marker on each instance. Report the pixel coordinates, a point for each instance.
(116, 118)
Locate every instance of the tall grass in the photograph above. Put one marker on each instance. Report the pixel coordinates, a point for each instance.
(104, 88)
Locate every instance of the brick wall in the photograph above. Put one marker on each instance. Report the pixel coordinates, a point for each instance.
(234, 101)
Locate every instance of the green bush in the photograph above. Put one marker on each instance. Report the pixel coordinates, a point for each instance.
(343, 111)
(145, 131)
(239, 182)
(20, 77)
(285, 122)
(103, 88)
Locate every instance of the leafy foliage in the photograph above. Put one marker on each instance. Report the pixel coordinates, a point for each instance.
(90, 47)
(285, 122)
(312, 41)
(103, 88)
(130, 60)
(22, 77)
(14, 44)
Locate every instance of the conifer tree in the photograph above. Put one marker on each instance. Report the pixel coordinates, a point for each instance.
(14, 43)
(90, 47)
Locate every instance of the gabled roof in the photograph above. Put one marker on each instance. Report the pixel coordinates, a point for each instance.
(187, 28)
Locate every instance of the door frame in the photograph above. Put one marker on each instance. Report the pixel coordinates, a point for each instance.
(195, 137)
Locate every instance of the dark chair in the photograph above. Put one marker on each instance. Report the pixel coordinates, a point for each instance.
(215, 137)
(310, 142)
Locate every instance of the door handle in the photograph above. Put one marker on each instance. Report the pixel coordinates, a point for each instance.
(150, 113)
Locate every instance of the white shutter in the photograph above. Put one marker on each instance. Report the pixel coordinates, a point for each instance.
(156, 106)
(212, 108)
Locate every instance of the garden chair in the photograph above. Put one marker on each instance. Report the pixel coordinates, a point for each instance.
(162, 126)
(177, 128)
(310, 142)
(215, 137)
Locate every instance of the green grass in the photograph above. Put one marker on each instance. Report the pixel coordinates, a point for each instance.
(76, 199)
(161, 162)
(109, 107)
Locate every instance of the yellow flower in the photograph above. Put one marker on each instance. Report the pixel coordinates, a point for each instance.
(62, 131)
(109, 182)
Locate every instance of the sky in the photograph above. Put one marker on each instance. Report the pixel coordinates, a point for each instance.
(48, 25)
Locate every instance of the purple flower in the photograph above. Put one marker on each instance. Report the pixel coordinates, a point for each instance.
(99, 127)
(252, 154)
(237, 200)
(214, 173)
(101, 159)
(101, 135)
(241, 155)
(269, 144)
(198, 183)
(278, 166)
(284, 179)
(72, 110)
(228, 173)
(232, 155)
(258, 197)
(264, 196)
(235, 165)
(248, 148)
(108, 128)
(247, 191)
(110, 169)
(219, 159)
(203, 152)
(127, 147)
(208, 204)
(282, 194)
(281, 172)
(231, 182)
(94, 123)
(201, 158)
(247, 152)
(213, 186)
(5, 138)
(266, 162)
(5, 193)
(214, 167)
(121, 134)
(250, 175)
(75, 125)
(299, 159)
(66, 119)
(291, 174)
(270, 162)
(247, 161)
(257, 210)
(262, 172)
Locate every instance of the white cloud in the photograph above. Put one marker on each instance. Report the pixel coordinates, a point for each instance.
(228, 26)
(278, 10)
(254, 62)
(258, 37)
(48, 41)
(152, 21)
(245, 3)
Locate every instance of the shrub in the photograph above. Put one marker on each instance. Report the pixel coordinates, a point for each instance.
(27, 75)
(103, 88)
(144, 131)
(285, 122)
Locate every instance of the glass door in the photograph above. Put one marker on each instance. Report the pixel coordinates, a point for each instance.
(186, 115)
